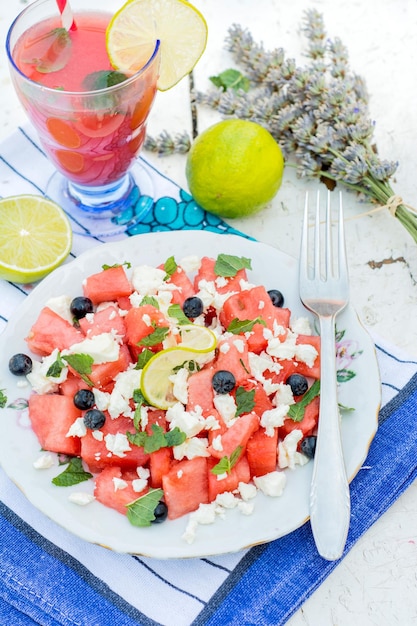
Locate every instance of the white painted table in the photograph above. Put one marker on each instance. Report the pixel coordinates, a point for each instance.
(376, 583)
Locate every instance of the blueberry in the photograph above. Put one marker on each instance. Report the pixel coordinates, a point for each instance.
(84, 399)
(80, 306)
(277, 298)
(298, 384)
(94, 419)
(193, 307)
(308, 446)
(20, 364)
(223, 381)
(160, 512)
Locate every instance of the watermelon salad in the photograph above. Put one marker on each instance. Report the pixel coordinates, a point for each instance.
(217, 422)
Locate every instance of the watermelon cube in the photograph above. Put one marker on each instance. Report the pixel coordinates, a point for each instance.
(51, 416)
(104, 321)
(186, 486)
(237, 435)
(239, 473)
(107, 285)
(51, 331)
(110, 491)
(261, 451)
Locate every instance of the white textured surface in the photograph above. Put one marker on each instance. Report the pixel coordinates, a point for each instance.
(376, 583)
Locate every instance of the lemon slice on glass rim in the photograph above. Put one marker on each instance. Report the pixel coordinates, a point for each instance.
(134, 29)
(35, 237)
(196, 348)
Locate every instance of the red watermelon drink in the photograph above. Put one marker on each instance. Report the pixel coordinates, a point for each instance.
(91, 120)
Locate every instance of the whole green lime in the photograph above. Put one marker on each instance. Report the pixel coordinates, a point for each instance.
(234, 168)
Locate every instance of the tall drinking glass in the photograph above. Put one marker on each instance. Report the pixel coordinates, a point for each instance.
(91, 120)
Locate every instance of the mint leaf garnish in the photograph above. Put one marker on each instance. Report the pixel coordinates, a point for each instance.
(81, 363)
(56, 53)
(149, 300)
(297, 410)
(175, 311)
(141, 512)
(143, 358)
(238, 326)
(231, 79)
(245, 401)
(228, 265)
(157, 336)
(54, 370)
(158, 439)
(227, 463)
(73, 474)
(3, 399)
(108, 267)
(170, 266)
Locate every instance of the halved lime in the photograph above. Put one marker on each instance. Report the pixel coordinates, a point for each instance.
(134, 29)
(35, 237)
(196, 349)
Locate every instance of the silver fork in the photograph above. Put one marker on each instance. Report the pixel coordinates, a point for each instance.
(324, 290)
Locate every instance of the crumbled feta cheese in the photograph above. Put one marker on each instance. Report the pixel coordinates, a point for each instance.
(221, 281)
(147, 280)
(45, 461)
(190, 531)
(283, 395)
(119, 483)
(222, 476)
(216, 444)
(281, 349)
(192, 447)
(180, 473)
(205, 514)
(247, 491)
(239, 345)
(97, 434)
(189, 422)
(180, 386)
(117, 444)
(306, 353)
(210, 296)
(224, 347)
(139, 484)
(102, 399)
(102, 348)
(301, 326)
(77, 428)
(227, 500)
(259, 364)
(146, 319)
(246, 508)
(125, 384)
(226, 406)
(81, 498)
(271, 484)
(288, 456)
(143, 472)
(273, 418)
(61, 306)
(40, 382)
(190, 263)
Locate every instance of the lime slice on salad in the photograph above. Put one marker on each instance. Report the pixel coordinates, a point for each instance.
(35, 237)
(134, 29)
(196, 348)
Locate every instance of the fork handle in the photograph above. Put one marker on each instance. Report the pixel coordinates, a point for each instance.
(329, 494)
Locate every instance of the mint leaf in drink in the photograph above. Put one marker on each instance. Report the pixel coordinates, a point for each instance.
(141, 512)
(103, 79)
(228, 265)
(297, 410)
(238, 326)
(231, 79)
(81, 363)
(73, 474)
(51, 52)
(245, 401)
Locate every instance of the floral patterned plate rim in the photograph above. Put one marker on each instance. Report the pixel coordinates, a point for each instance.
(272, 517)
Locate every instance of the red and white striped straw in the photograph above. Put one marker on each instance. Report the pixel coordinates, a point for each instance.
(67, 17)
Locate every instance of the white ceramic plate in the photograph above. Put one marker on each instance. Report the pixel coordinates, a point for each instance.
(272, 517)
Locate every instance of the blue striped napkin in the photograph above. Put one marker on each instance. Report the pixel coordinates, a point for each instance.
(49, 577)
